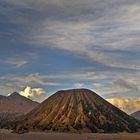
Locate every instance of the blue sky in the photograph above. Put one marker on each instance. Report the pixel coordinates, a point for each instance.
(61, 44)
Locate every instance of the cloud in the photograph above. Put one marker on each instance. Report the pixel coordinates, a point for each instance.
(78, 85)
(98, 85)
(92, 29)
(120, 87)
(99, 80)
(11, 83)
(33, 78)
(35, 94)
(19, 61)
(125, 84)
(66, 35)
(54, 81)
(16, 63)
(128, 105)
(88, 75)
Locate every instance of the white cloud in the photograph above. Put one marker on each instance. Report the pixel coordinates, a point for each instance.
(35, 94)
(15, 62)
(19, 61)
(78, 85)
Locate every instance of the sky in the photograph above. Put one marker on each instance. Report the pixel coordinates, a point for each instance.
(49, 45)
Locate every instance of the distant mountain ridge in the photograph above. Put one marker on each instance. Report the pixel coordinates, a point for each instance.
(16, 103)
(136, 115)
(77, 110)
(13, 106)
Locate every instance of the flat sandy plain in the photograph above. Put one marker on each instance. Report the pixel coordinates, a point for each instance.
(6, 135)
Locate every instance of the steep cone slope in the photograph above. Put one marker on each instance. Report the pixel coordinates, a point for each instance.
(77, 110)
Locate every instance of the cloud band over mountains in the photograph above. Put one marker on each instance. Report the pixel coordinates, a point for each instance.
(94, 29)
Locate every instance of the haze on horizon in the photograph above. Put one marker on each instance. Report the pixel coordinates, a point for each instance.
(50, 45)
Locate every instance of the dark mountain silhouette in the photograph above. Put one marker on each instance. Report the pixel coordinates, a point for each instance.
(77, 110)
(13, 106)
(136, 115)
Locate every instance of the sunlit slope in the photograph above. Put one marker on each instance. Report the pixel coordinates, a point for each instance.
(78, 110)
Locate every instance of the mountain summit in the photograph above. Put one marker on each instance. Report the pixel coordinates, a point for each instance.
(78, 110)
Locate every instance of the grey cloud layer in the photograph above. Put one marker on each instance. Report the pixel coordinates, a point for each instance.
(89, 28)
(106, 31)
(97, 81)
(125, 84)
